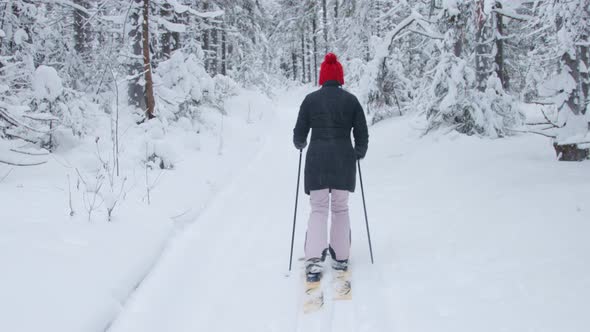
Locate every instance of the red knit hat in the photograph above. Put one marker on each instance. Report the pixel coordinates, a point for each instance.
(331, 69)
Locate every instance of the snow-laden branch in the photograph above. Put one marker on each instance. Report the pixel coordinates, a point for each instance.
(181, 9)
(511, 14)
(390, 12)
(41, 117)
(427, 31)
(15, 121)
(420, 21)
(399, 28)
(425, 34)
(172, 27)
(69, 4)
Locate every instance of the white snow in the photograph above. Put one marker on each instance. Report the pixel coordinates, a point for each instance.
(2, 33)
(20, 36)
(46, 83)
(63, 273)
(461, 241)
(451, 7)
(469, 234)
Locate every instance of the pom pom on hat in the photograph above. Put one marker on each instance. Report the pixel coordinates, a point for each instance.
(331, 70)
(330, 58)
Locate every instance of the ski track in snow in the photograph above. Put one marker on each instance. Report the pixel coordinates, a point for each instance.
(469, 235)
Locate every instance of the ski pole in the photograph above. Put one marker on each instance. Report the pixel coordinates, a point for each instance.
(295, 213)
(365, 207)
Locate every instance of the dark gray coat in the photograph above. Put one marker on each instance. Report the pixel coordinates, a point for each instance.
(331, 113)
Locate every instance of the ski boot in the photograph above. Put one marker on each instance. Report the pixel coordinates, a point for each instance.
(313, 270)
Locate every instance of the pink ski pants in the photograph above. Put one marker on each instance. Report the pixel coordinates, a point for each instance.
(316, 239)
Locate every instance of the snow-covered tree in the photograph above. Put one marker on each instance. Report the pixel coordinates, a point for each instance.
(565, 27)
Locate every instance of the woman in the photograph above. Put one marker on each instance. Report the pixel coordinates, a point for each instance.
(330, 165)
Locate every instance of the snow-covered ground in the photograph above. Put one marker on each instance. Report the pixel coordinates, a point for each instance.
(469, 234)
(63, 273)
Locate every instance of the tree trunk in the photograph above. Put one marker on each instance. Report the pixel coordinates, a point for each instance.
(149, 83)
(570, 152)
(458, 46)
(166, 39)
(585, 76)
(294, 59)
(5, 11)
(303, 56)
(573, 102)
(307, 53)
(214, 49)
(315, 45)
(136, 90)
(325, 26)
(376, 19)
(206, 39)
(176, 44)
(81, 37)
(336, 19)
(431, 11)
(482, 49)
(499, 59)
(367, 49)
(457, 24)
(584, 58)
(224, 51)
(81, 28)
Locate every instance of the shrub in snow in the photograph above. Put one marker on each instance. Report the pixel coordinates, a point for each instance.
(47, 84)
(225, 86)
(452, 100)
(52, 108)
(387, 92)
(183, 88)
(380, 84)
(158, 152)
(181, 84)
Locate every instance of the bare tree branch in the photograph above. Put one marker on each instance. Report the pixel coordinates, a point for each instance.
(30, 153)
(532, 132)
(22, 164)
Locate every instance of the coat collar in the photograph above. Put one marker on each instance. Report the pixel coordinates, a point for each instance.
(331, 83)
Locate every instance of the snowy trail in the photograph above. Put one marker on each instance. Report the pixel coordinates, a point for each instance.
(461, 241)
(228, 269)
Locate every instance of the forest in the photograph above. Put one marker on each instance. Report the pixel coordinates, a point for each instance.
(462, 64)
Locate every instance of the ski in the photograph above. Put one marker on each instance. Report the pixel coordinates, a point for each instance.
(343, 315)
(342, 286)
(314, 297)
